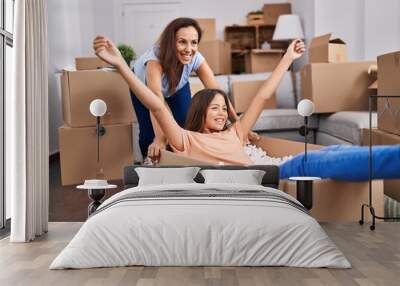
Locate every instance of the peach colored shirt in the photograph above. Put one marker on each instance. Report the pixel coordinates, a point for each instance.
(226, 146)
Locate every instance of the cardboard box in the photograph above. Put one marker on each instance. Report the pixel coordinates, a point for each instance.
(389, 73)
(323, 50)
(334, 201)
(255, 19)
(218, 55)
(379, 137)
(90, 63)
(259, 60)
(244, 91)
(273, 11)
(78, 152)
(79, 88)
(389, 114)
(336, 86)
(208, 27)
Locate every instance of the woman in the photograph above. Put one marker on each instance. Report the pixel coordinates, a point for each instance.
(165, 69)
(208, 136)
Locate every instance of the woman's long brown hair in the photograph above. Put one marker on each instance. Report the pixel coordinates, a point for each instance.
(197, 113)
(170, 64)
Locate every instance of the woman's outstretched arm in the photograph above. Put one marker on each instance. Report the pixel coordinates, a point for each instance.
(107, 51)
(249, 118)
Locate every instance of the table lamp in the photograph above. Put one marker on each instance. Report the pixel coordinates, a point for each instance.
(98, 108)
(305, 108)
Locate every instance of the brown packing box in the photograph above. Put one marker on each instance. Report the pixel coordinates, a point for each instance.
(208, 27)
(389, 114)
(90, 63)
(336, 86)
(389, 85)
(379, 137)
(389, 74)
(244, 91)
(259, 60)
(78, 152)
(323, 50)
(334, 201)
(79, 88)
(195, 87)
(273, 11)
(218, 55)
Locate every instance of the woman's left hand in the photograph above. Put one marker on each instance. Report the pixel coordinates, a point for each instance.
(296, 49)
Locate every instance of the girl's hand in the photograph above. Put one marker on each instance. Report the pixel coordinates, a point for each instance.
(107, 51)
(296, 49)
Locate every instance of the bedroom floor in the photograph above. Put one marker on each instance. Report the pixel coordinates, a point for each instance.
(375, 257)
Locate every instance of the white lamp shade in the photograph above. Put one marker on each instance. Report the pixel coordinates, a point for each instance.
(305, 107)
(98, 107)
(288, 28)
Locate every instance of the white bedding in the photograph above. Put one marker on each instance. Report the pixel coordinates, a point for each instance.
(185, 230)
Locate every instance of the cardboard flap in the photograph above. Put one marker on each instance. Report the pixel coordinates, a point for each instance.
(337, 41)
(374, 85)
(321, 40)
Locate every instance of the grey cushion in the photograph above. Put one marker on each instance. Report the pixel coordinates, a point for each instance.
(346, 125)
(282, 119)
(284, 94)
(223, 81)
(327, 139)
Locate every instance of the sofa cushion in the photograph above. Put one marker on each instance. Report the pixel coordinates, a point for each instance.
(284, 94)
(282, 119)
(346, 125)
(223, 81)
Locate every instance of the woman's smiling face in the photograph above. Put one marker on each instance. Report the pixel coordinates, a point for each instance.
(217, 115)
(187, 40)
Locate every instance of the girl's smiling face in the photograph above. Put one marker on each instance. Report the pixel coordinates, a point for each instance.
(217, 115)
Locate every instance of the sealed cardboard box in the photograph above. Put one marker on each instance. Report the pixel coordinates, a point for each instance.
(389, 74)
(244, 91)
(336, 86)
(273, 11)
(90, 63)
(379, 137)
(262, 60)
(324, 50)
(78, 152)
(208, 27)
(79, 88)
(218, 55)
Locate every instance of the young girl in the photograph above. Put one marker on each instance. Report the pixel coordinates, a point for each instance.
(165, 69)
(208, 135)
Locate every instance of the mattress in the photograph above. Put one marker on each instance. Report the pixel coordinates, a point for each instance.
(200, 225)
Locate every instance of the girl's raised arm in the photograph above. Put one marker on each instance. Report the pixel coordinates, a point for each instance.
(249, 118)
(107, 51)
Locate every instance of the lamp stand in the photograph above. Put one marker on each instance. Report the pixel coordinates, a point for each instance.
(305, 137)
(100, 131)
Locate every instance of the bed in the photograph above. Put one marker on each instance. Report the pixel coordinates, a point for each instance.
(201, 224)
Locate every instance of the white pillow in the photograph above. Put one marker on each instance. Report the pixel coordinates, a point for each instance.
(164, 176)
(249, 177)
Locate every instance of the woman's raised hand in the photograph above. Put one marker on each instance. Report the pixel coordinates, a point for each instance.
(107, 51)
(296, 49)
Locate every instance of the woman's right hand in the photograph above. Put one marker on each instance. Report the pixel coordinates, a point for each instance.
(106, 50)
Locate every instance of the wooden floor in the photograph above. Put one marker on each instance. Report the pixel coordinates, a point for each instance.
(374, 255)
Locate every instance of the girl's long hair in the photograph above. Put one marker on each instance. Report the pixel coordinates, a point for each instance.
(197, 113)
(170, 64)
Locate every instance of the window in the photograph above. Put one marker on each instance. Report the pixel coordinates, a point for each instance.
(6, 44)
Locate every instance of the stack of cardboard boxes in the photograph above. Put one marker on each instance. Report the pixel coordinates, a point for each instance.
(388, 132)
(332, 83)
(216, 52)
(77, 138)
